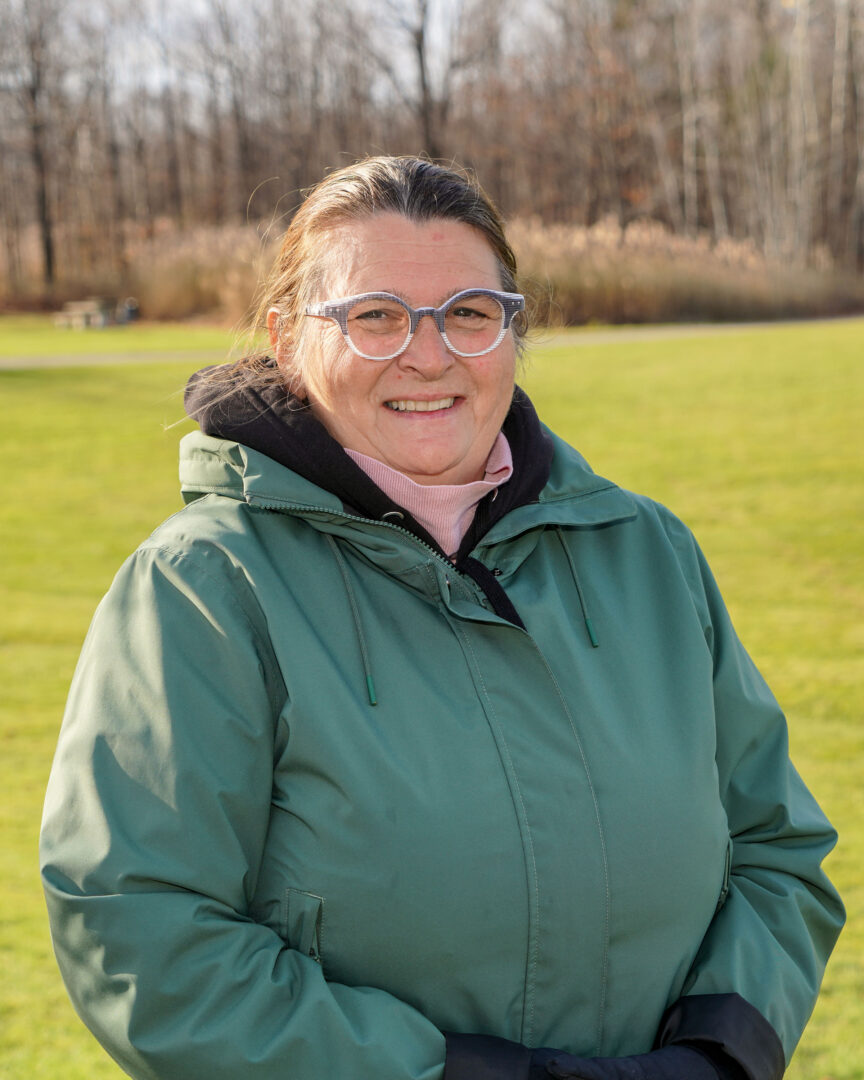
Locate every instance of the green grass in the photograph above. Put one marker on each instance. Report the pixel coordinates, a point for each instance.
(756, 439)
(36, 336)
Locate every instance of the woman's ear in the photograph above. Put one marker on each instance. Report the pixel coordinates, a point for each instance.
(273, 316)
(278, 341)
(282, 353)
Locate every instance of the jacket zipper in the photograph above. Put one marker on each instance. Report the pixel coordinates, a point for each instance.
(289, 507)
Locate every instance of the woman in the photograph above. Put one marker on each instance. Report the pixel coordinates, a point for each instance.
(410, 724)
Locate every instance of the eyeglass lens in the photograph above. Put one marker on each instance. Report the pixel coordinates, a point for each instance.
(379, 328)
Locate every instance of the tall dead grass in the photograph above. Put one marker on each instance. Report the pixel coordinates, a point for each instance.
(644, 274)
(574, 275)
(203, 271)
(207, 271)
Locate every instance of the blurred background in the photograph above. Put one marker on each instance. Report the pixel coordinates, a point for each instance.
(659, 159)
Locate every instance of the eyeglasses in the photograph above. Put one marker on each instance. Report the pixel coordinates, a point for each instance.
(379, 326)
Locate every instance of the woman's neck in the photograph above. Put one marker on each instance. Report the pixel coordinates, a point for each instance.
(444, 510)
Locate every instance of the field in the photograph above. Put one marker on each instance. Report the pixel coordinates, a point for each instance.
(31, 336)
(755, 438)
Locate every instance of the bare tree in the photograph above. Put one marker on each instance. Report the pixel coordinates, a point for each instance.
(425, 53)
(837, 127)
(684, 36)
(854, 248)
(708, 90)
(742, 119)
(36, 54)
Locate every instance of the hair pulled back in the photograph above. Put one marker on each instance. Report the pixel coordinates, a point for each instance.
(419, 190)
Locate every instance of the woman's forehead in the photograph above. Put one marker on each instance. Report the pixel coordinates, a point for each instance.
(390, 253)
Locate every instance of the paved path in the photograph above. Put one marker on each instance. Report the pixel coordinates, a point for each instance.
(569, 337)
(616, 335)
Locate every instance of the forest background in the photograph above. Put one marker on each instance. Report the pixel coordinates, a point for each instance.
(658, 159)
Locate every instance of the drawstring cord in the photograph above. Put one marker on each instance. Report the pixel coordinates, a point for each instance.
(358, 625)
(355, 611)
(589, 626)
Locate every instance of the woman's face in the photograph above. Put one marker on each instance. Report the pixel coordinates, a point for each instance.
(424, 264)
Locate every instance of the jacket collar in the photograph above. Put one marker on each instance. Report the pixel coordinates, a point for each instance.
(573, 495)
(261, 445)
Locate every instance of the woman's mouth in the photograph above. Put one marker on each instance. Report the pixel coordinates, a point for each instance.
(413, 405)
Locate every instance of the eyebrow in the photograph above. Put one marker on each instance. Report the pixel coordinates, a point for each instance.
(442, 298)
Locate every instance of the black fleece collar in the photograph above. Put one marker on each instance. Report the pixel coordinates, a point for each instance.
(269, 420)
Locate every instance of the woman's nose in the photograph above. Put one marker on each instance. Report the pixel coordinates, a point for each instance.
(427, 352)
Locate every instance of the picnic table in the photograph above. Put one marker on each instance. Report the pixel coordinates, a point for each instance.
(95, 311)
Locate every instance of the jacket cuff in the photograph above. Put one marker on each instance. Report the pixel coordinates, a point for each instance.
(485, 1057)
(727, 1024)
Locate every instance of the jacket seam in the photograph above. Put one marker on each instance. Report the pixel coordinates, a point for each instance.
(527, 846)
(604, 978)
(189, 559)
(212, 488)
(308, 515)
(581, 497)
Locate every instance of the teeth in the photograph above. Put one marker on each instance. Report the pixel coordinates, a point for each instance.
(420, 406)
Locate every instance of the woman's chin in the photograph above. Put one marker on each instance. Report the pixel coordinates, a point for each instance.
(440, 469)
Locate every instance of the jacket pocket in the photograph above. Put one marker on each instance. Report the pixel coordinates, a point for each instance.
(302, 920)
(727, 872)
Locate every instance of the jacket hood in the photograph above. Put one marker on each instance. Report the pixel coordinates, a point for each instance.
(248, 430)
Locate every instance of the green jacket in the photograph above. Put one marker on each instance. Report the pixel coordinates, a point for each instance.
(315, 803)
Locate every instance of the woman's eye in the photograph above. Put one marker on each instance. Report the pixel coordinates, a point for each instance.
(467, 313)
(370, 317)
(376, 312)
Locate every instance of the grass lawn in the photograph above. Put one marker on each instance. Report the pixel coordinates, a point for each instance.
(754, 438)
(36, 336)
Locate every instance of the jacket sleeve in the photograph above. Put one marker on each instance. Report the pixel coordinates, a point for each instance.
(774, 930)
(154, 826)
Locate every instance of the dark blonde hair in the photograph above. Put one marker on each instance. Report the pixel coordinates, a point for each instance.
(419, 190)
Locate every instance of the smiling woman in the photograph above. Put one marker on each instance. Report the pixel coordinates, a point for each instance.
(411, 749)
(430, 412)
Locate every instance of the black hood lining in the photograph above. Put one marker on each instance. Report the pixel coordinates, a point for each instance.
(268, 419)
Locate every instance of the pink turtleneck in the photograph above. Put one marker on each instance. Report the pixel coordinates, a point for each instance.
(444, 510)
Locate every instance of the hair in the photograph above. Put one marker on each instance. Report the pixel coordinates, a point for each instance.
(419, 190)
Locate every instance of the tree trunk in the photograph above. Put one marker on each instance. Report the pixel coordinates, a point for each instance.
(11, 229)
(855, 232)
(117, 201)
(684, 34)
(426, 103)
(836, 218)
(707, 109)
(668, 175)
(38, 158)
(801, 189)
(172, 165)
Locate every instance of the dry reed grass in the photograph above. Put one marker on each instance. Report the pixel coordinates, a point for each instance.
(644, 273)
(574, 275)
(201, 271)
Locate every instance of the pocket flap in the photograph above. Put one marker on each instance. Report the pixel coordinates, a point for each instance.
(727, 872)
(302, 922)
